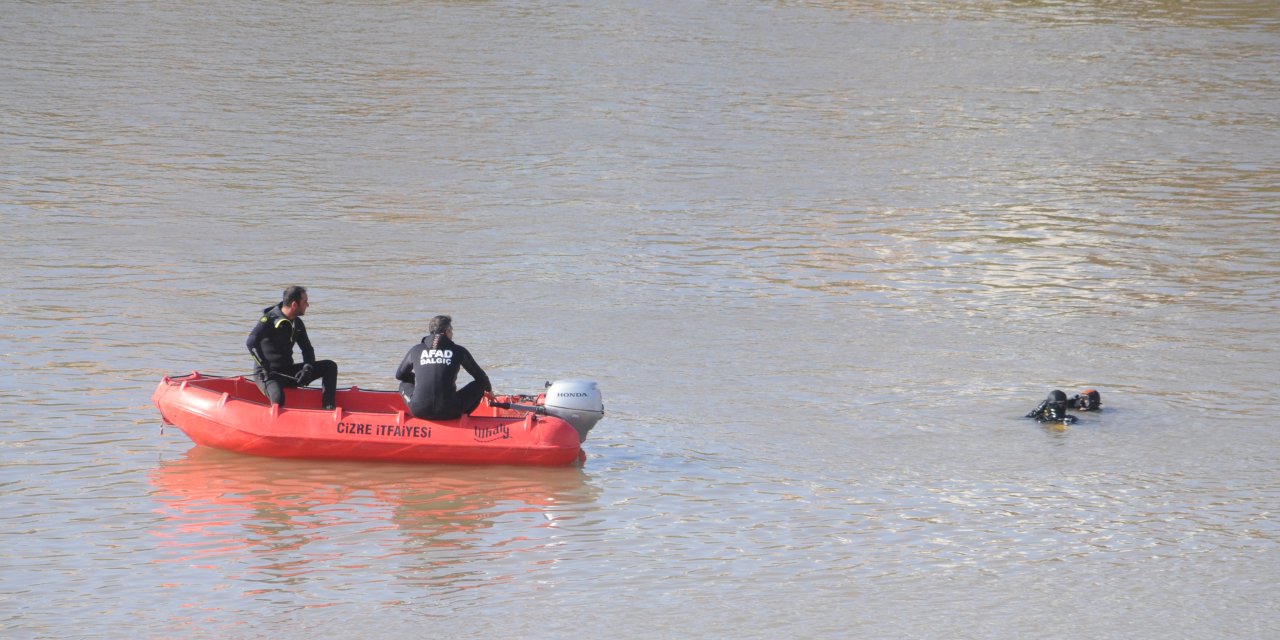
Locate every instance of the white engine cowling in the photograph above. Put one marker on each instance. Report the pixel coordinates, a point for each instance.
(577, 402)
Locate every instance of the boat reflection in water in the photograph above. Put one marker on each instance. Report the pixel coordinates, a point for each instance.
(278, 521)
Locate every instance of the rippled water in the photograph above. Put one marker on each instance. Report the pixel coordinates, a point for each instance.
(820, 256)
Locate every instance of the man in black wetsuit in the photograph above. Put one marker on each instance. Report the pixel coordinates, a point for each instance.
(428, 376)
(271, 344)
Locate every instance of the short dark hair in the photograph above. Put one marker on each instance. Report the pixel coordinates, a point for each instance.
(440, 324)
(292, 295)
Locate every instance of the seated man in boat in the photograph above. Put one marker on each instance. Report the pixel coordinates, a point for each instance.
(271, 344)
(428, 376)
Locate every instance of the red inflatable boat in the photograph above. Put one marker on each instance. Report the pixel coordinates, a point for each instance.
(232, 414)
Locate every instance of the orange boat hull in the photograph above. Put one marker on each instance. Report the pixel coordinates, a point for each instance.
(233, 415)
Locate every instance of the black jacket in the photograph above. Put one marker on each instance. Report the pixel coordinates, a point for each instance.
(272, 339)
(434, 374)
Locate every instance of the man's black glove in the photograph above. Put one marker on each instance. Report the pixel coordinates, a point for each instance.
(303, 373)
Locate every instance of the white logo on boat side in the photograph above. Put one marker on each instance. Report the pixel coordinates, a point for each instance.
(436, 356)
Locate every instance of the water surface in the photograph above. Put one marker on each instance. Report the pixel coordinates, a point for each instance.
(820, 256)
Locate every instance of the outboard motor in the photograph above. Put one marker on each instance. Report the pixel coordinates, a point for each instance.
(577, 402)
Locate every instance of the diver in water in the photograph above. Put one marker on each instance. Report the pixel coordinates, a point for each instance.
(1054, 408)
(1087, 400)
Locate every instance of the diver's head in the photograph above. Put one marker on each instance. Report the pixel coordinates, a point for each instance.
(1056, 404)
(1088, 400)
